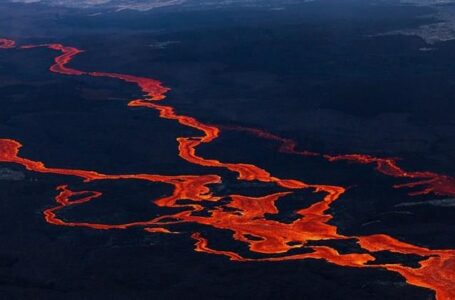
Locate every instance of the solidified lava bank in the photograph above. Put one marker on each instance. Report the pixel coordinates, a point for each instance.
(245, 216)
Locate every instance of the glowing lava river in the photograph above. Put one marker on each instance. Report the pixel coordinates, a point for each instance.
(245, 216)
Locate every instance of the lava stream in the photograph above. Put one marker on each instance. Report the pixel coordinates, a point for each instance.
(429, 182)
(245, 216)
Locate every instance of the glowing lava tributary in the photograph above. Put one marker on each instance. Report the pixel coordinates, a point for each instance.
(245, 216)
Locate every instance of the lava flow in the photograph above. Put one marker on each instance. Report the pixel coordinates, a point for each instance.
(430, 182)
(246, 216)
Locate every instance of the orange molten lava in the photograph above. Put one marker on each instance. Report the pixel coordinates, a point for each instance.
(246, 216)
(431, 182)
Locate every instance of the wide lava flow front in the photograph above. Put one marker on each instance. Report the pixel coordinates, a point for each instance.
(245, 216)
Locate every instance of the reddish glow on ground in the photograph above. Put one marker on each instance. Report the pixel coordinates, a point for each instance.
(429, 182)
(6, 44)
(246, 216)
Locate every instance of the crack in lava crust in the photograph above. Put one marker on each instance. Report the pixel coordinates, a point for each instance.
(245, 216)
